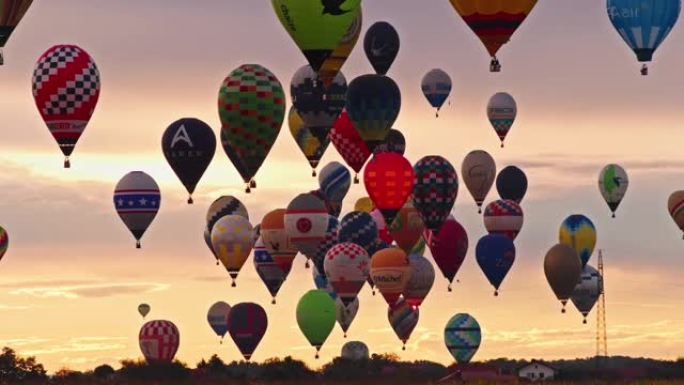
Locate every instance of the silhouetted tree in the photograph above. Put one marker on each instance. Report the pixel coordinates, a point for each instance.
(14, 369)
(143, 371)
(103, 372)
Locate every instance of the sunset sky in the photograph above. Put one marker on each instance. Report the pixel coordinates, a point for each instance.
(72, 279)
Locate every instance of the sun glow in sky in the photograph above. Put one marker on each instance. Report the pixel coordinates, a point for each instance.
(72, 279)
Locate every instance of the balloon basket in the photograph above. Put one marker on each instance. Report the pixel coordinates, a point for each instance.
(306, 265)
(2, 57)
(190, 201)
(644, 70)
(584, 321)
(613, 215)
(449, 289)
(313, 173)
(345, 335)
(67, 162)
(356, 179)
(233, 284)
(252, 184)
(502, 144)
(248, 190)
(138, 245)
(496, 293)
(273, 301)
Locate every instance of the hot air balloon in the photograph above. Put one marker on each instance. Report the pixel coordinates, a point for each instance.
(137, 199)
(462, 336)
(613, 183)
(276, 241)
(407, 228)
(349, 144)
(345, 314)
(391, 271)
(511, 183)
(233, 238)
(159, 341)
(4, 242)
(644, 24)
(66, 87)
(333, 64)
(494, 22)
(355, 351)
(675, 206)
(270, 273)
(335, 181)
(403, 318)
(225, 205)
(495, 254)
(247, 324)
(217, 316)
(251, 106)
(436, 86)
(384, 233)
(316, 316)
(11, 13)
(504, 217)
(421, 281)
(478, 172)
(329, 240)
(501, 112)
(306, 222)
(435, 190)
(381, 45)
(189, 145)
(321, 282)
(578, 232)
(389, 180)
(419, 248)
(563, 270)
(312, 147)
(144, 309)
(587, 291)
(448, 248)
(364, 204)
(395, 142)
(373, 103)
(347, 268)
(317, 27)
(358, 228)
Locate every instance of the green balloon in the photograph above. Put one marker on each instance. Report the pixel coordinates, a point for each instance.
(317, 26)
(316, 316)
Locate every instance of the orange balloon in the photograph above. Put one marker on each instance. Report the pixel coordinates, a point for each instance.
(407, 228)
(277, 241)
(390, 271)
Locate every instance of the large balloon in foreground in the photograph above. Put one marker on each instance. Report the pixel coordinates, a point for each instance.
(448, 248)
(11, 13)
(232, 239)
(644, 24)
(478, 172)
(247, 324)
(316, 316)
(317, 27)
(511, 183)
(578, 232)
(495, 254)
(503, 217)
(462, 336)
(613, 183)
(159, 341)
(4, 242)
(333, 64)
(389, 180)
(217, 316)
(436, 86)
(421, 281)
(144, 309)
(276, 240)
(355, 351)
(675, 206)
(501, 112)
(587, 291)
(435, 190)
(373, 103)
(494, 22)
(189, 145)
(66, 87)
(563, 269)
(403, 318)
(251, 106)
(137, 199)
(381, 45)
(349, 144)
(390, 271)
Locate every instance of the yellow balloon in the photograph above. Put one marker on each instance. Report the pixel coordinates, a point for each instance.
(232, 238)
(364, 204)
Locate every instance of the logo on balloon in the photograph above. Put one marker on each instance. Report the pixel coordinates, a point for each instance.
(304, 225)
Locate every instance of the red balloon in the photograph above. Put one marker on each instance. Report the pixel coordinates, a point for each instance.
(389, 181)
(349, 144)
(159, 341)
(449, 248)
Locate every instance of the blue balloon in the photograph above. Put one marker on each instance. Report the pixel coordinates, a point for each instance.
(334, 181)
(644, 24)
(495, 254)
(359, 228)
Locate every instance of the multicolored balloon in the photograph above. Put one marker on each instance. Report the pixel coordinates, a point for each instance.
(66, 88)
(449, 248)
(346, 313)
(349, 144)
(137, 200)
(311, 146)
(276, 240)
(504, 217)
(478, 172)
(335, 181)
(407, 228)
(613, 183)
(224, 205)
(578, 232)
(563, 269)
(347, 267)
(159, 341)
(587, 291)
(333, 64)
(359, 228)
(270, 272)
(511, 183)
(436, 86)
(373, 104)
(381, 45)
(316, 316)
(421, 281)
(189, 145)
(144, 309)
(247, 324)
(232, 238)
(403, 318)
(389, 180)
(306, 222)
(435, 190)
(11, 13)
(395, 142)
(4, 242)
(501, 112)
(462, 336)
(251, 106)
(391, 271)
(675, 206)
(495, 254)
(217, 316)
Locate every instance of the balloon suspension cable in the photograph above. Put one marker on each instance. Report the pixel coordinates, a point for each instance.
(306, 265)
(252, 183)
(190, 201)
(67, 162)
(356, 178)
(644, 70)
(137, 244)
(313, 172)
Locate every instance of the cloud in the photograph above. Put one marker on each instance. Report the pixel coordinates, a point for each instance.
(80, 345)
(12, 307)
(90, 290)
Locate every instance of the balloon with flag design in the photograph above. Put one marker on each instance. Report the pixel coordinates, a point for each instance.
(11, 13)
(448, 248)
(462, 336)
(66, 88)
(233, 238)
(435, 190)
(316, 317)
(306, 223)
(159, 341)
(276, 240)
(389, 180)
(403, 319)
(579, 232)
(495, 254)
(373, 104)
(347, 268)
(217, 316)
(504, 217)
(349, 144)
(137, 200)
(247, 324)
(501, 112)
(613, 183)
(381, 45)
(436, 87)
(478, 172)
(270, 272)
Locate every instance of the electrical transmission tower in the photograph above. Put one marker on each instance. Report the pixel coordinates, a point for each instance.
(601, 337)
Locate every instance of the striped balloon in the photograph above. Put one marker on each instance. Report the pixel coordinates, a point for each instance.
(504, 217)
(403, 318)
(306, 222)
(159, 341)
(137, 200)
(334, 181)
(462, 336)
(676, 208)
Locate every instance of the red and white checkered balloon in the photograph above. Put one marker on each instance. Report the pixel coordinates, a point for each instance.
(347, 266)
(159, 341)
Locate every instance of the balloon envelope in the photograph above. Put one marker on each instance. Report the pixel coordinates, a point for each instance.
(435, 190)
(335, 181)
(217, 316)
(355, 351)
(359, 228)
(504, 217)
(511, 183)
(675, 206)
(270, 272)
(4, 242)
(316, 316)
(462, 336)
(233, 238)
(390, 271)
(501, 112)
(578, 232)
(389, 180)
(373, 103)
(562, 268)
(137, 200)
(449, 247)
(346, 314)
(478, 172)
(495, 254)
(159, 341)
(318, 105)
(421, 281)
(11, 14)
(403, 318)
(395, 142)
(407, 228)
(276, 240)
(613, 183)
(348, 143)
(306, 223)
(347, 268)
(436, 86)
(247, 324)
(381, 45)
(144, 309)
(311, 146)
(587, 291)
(333, 64)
